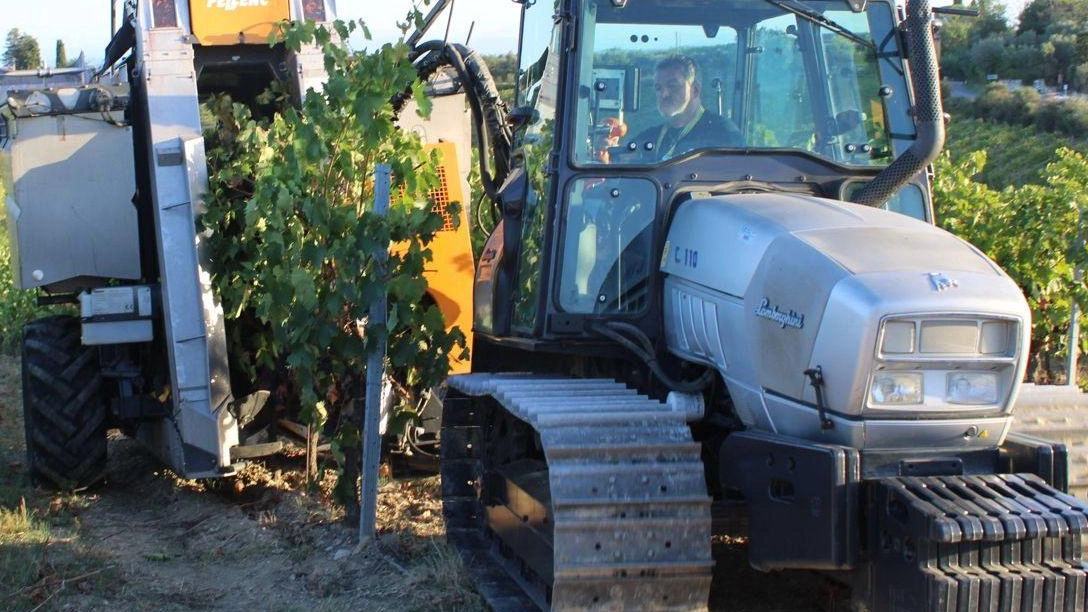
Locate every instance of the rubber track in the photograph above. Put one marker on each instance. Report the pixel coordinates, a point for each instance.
(64, 414)
(629, 507)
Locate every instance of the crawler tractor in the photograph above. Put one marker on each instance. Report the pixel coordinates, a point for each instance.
(108, 182)
(750, 304)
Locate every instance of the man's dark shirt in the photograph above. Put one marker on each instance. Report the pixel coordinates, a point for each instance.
(711, 130)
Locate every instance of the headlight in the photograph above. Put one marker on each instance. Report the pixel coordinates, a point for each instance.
(972, 388)
(896, 388)
(974, 358)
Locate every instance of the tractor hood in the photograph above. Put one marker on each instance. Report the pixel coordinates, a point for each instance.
(857, 239)
(767, 286)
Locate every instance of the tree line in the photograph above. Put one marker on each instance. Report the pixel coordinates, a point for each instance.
(22, 52)
(1049, 42)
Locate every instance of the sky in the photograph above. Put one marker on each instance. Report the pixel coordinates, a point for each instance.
(84, 25)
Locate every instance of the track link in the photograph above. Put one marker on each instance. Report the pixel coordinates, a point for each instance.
(615, 516)
(999, 543)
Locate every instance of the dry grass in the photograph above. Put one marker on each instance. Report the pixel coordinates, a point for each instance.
(42, 556)
(149, 540)
(20, 531)
(42, 559)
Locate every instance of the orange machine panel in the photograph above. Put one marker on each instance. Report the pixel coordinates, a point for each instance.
(451, 272)
(233, 22)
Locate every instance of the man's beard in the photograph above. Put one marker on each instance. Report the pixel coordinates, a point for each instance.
(674, 112)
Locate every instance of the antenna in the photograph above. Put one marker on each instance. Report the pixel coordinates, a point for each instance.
(449, 21)
(471, 27)
(428, 21)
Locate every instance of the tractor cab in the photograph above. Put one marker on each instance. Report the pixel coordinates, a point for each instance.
(635, 107)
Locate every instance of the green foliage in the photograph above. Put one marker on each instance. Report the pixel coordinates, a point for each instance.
(1068, 116)
(536, 149)
(483, 214)
(16, 305)
(1065, 117)
(1032, 231)
(21, 51)
(1012, 107)
(1015, 155)
(297, 248)
(504, 69)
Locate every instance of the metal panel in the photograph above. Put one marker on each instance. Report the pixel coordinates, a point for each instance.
(307, 71)
(116, 332)
(72, 209)
(193, 320)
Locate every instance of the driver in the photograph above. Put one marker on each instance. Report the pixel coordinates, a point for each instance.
(688, 125)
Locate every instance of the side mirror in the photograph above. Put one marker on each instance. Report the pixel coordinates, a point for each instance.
(847, 120)
(521, 116)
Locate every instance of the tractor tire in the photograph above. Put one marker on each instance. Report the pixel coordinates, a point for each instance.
(64, 411)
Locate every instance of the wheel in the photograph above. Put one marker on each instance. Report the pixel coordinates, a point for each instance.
(63, 409)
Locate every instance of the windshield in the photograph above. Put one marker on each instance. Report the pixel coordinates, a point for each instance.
(662, 79)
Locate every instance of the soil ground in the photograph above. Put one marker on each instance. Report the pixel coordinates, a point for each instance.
(148, 540)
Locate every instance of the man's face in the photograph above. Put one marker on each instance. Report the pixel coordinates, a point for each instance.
(674, 93)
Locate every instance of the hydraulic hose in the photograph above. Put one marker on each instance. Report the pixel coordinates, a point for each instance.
(642, 348)
(928, 114)
(488, 110)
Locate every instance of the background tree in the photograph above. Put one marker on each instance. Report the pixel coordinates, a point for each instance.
(22, 51)
(1054, 17)
(1050, 43)
(504, 69)
(964, 39)
(990, 21)
(62, 55)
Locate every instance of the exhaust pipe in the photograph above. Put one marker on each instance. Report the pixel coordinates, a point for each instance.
(928, 114)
